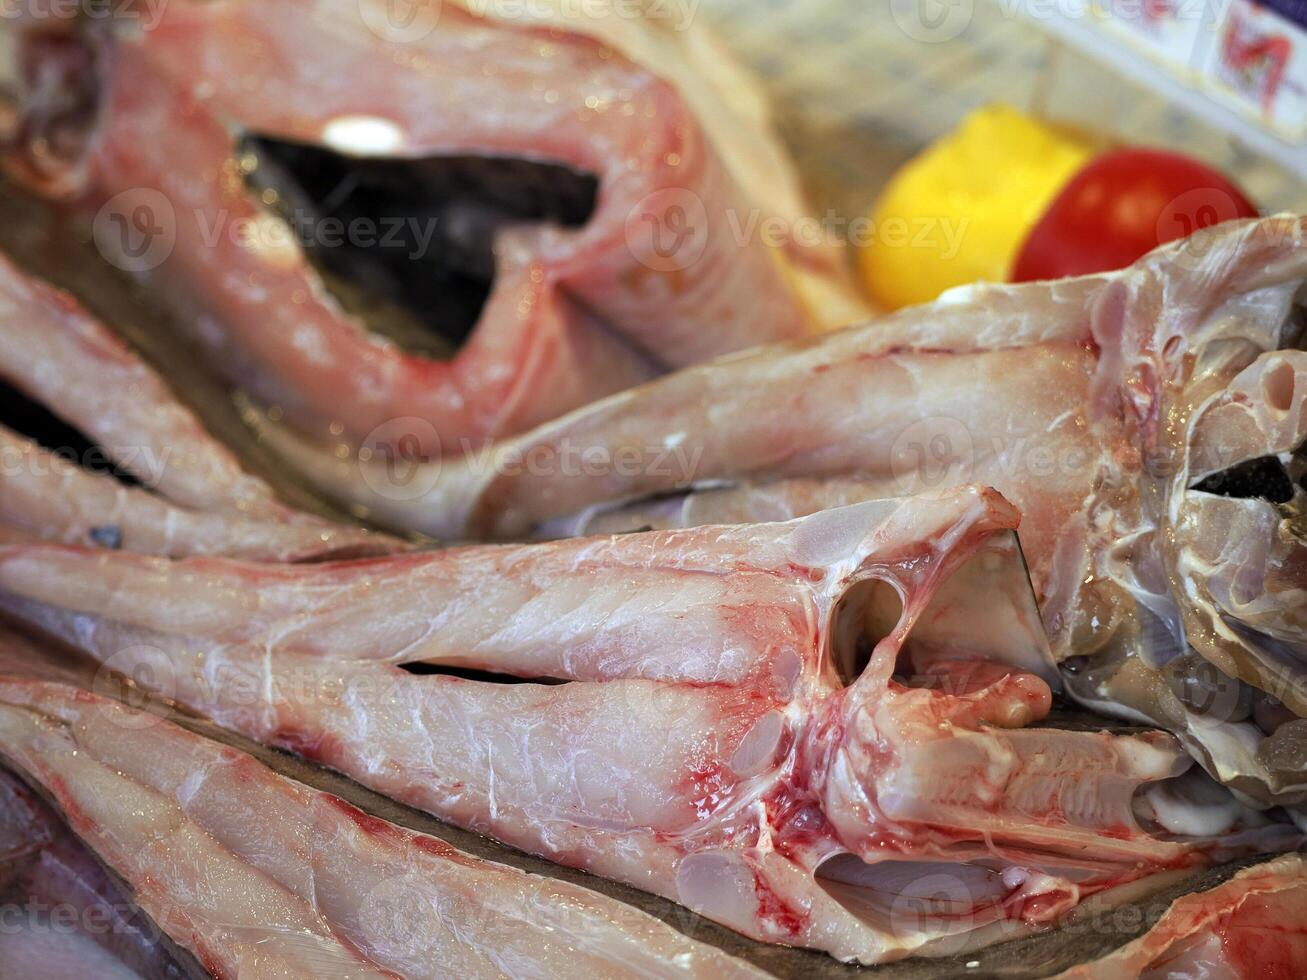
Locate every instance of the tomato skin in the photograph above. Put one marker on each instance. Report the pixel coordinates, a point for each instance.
(1121, 206)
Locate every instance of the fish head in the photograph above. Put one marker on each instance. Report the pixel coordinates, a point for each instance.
(1238, 553)
(951, 802)
(306, 168)
(917, 652)
(1205, 358)
(1240, 525)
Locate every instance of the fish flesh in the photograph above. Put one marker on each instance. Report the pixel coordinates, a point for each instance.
(64, 915)
(1149, 424)
(822, 733)
(526, 210)
(43, 867)
(1249, 926)
(95, 449)
(254, 874)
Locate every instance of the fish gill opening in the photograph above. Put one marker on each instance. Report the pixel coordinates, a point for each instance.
(33, 420)
(980, 610)
(1267, 478)
(408, 245)
(867, 612)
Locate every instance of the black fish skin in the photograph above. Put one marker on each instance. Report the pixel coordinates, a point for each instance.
(107, 536)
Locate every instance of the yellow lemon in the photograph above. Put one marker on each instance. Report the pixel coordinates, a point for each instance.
(959, 211)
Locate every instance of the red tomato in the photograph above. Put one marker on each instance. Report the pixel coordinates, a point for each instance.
(1122, 205)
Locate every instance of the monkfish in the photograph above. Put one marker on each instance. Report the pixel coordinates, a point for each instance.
(163, 854)
(415, 227)
(829, 732)
(96, 448)
(1149, 425)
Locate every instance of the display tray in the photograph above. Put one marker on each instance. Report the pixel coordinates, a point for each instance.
(852, 106)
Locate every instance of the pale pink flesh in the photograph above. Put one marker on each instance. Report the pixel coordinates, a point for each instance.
(1096, 405)
(575, 314)
(709, 749)
(194, 498)
(253, 872)
(65, 916)
(1109, 368)
(1249, 926)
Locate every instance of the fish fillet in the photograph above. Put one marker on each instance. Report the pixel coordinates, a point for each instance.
(435, 129)
(259, 876)
(1250, 926)
(123, 464)
(1149, 424)
(821, 733)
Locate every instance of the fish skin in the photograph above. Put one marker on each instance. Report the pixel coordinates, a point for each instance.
(323, 889)
(574, 314)
(193, 496)
(1095, 404)
(707, 747)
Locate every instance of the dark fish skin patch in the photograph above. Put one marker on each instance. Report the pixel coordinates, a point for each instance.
(107, 536)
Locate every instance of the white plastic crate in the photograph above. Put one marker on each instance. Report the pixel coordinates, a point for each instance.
(861, 85)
